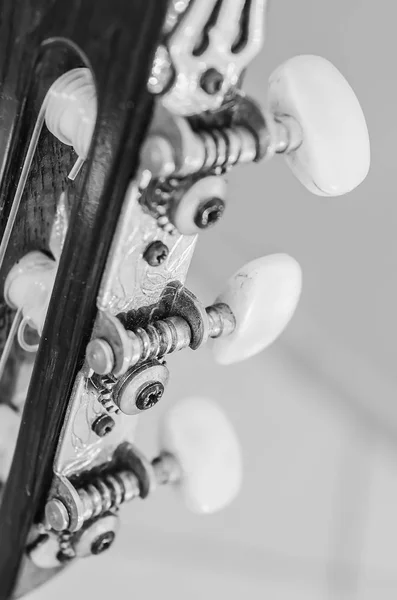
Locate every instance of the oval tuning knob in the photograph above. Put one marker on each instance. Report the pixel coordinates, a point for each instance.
(333, 155)
(72, 110)
(262, 296)
(28, 288)
(198, 435)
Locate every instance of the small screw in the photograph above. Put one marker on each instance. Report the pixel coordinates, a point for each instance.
(156, 253)
(103, 542)
(150, 395)
(103, 425)
(209, 213)
(211, 81)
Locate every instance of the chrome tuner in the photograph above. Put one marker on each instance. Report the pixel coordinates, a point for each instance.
(251, 313)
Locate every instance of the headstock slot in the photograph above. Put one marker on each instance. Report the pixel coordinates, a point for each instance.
(34, 174)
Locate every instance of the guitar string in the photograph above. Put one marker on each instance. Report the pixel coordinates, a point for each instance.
(76, 168)
(23, 178)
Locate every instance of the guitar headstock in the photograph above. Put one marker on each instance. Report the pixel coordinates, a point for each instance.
(120, 167)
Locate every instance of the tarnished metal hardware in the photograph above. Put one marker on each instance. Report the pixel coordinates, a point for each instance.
(99, 496)
(64, 509)
(126, 338)
(166, 468)
(168, 335)
(130, 285)
(177, 301)
(209, 212)
(149, 293)
(195, 151)
(97, 537)
(198, 205)
(184, 156)
(159, 199)
(108, 492)
(57, 515)
(211, 81)
(129, 457)
(215, 36)
(129, 476)
(66, 550)
(189, 205)
(141, 387)
(150, 395)
(174, 148)
(104, 388)
(220, 319)
(103, 425)
(176, 9)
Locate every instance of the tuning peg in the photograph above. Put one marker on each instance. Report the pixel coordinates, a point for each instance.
(71, 112)
(28, 288)
(331, 155)
(200, 455)
(248, 316)
(262, 296)
(314, 119)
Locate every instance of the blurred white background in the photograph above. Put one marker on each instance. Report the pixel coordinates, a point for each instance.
(316, 414)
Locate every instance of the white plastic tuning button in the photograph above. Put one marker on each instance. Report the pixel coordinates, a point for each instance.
(72, 110)
(202, 440)
(262, 296)
(28, 288)
(334, 155)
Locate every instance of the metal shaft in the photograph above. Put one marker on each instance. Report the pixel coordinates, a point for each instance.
(110, 491)
(222, 148)
(160, 338)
